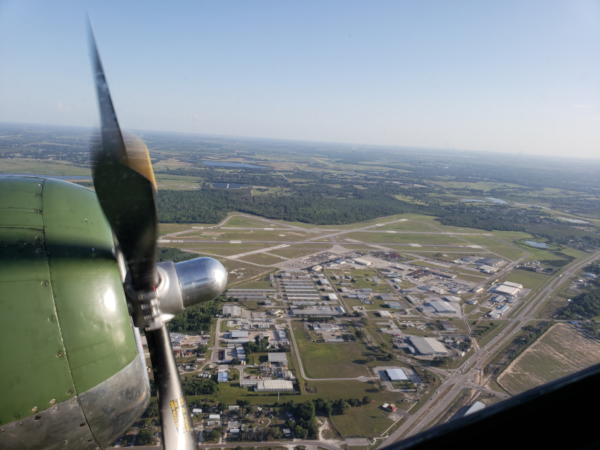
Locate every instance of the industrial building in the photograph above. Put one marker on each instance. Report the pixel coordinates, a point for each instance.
(278, 357)
(326, 327)
(238, 334)
(324, 311)
(442, 307)
(362, 262)
(511, 289)
(488, 269)
(274, 385)
(386, 297)
(428, 346)
(232, 311)
(394, 305)
(494, 262)
(421, 274)
(248, 382)
(412, 299)
(451, 298)
(396, 374)
(222, 377)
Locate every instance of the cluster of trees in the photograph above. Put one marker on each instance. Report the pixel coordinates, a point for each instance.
(586, 305)
(256, 346)
(261, 346)
(195, 318)
(309, 205)
(200, 386)
(173, 254)
(534, 333)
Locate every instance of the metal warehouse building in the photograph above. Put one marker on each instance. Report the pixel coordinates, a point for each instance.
(274, 385)
(428, 346)
(396, 374)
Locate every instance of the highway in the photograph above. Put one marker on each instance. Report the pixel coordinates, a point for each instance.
(458, 381)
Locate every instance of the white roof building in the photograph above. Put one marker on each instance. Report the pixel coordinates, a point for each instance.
(428, 346)
(396, 374)
(274, 385)
(452, 298)
(362, 262)
(443, 307)
(507, 290)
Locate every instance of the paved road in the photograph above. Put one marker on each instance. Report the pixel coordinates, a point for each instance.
(458, 381)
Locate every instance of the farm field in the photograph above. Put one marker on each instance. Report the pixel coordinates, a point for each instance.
(562, 351)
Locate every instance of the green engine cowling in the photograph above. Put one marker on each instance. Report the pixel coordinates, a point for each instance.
(70, 373)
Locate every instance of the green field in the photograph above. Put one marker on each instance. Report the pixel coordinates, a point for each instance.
(297, 251)
(389, 238)
(365, 421)
(42, 167)
(494, 246)
(531, 280)
(331, 360)
(262, 258)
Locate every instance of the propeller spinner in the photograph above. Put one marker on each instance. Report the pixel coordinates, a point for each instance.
(126, 189)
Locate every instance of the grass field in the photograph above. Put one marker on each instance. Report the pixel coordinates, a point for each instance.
(177, 183)
(388, 238)
(494, 246)
(262, 258)
(408, 225)
(42, 167)
(243, 221)
(220, 248)
(531, 280)
(331, 360)
(365, 421)
(296, 251)
(560, 352)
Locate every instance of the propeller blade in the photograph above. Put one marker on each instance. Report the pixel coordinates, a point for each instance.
(126, 187)
(175, 416)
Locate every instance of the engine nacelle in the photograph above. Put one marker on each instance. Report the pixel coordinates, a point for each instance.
(181, 285)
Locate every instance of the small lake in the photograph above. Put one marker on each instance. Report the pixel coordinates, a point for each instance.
(235, 165)
(536, 244)
(496, 201)
(472, 200)
(55, 177)
(229, 186)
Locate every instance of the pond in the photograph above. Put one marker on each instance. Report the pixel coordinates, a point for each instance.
(472, 200)
(536, 244)
(235, 165)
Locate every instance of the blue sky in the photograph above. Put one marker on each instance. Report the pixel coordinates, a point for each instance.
(510, 76)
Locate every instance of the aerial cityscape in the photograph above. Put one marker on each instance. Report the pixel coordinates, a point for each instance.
(338, 225)
(369, 298)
